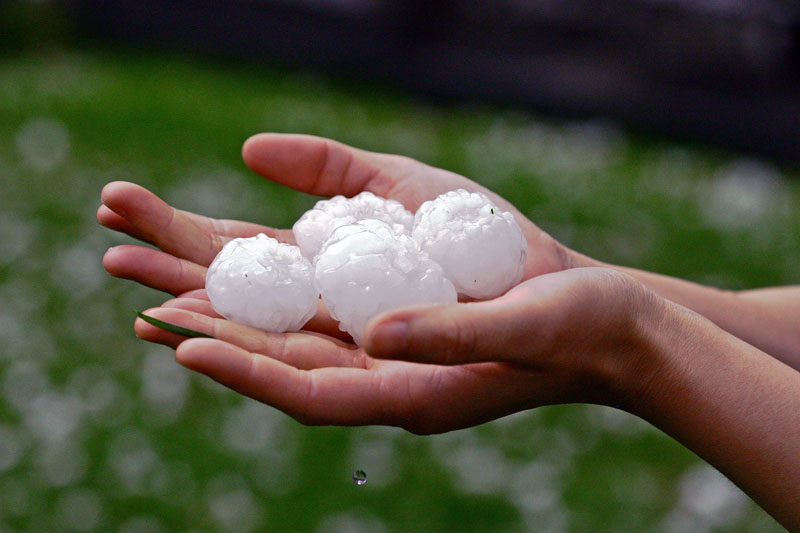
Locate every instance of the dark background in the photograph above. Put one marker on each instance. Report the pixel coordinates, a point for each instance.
(720, 71)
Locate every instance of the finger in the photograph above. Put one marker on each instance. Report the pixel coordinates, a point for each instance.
(155, 269)
(322, 322)
(196, 305)
(503, 329)
(152, 333)
(549, 314)
(301, 350)
(235, 229)
(180, 233)
(341, 396)
(159, 223)
(198, 294)
(318, 166)
(108, 218)
(422, 398)
(324, 167)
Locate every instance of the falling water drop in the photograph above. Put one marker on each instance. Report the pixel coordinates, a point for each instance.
(359, 477)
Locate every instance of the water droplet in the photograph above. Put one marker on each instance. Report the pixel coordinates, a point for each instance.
(359, 477)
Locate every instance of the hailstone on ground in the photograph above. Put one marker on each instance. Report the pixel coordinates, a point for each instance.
(317, 224)
(367, 268)
(262, 283)
(480, 247)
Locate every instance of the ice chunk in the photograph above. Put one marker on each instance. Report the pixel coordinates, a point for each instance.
(317, 224)
(262, 283)
(480, 247)
(368, 267)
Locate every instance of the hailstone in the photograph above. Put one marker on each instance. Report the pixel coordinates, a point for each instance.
(262, 283)
(480, 247)
(366, 268)
(317, 224)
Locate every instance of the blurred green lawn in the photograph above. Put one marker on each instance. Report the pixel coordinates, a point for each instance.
(102, 432)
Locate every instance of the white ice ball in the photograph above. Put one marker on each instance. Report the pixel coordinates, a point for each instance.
(480, 247)
(368, 267)
(317, 224)
(262, 283)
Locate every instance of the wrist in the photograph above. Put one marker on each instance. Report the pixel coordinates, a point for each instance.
(658, 335)
(636, 366)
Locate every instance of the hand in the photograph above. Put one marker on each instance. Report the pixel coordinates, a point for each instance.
(189, 242)
(556, 338)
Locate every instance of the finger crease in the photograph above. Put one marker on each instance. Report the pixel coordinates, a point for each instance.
(322, 169)
(308, 405)
(181, 273)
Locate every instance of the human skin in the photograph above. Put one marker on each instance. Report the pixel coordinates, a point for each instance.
(708, 367)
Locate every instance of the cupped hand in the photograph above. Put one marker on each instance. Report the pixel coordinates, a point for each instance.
(571, 336)
(189, 242)
(320, 372)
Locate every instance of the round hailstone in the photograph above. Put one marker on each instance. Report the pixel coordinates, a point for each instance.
(262, 283)
(481, 248)
(317, 224)
(368, 267)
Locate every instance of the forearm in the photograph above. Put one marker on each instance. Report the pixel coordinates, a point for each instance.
(730, 403)
(768, 319)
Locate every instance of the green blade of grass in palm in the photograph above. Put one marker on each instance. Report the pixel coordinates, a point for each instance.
(186, 332)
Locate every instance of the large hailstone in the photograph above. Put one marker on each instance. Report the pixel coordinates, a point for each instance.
(262, 283)
(480, 247)
(369, 267)
(316, 225)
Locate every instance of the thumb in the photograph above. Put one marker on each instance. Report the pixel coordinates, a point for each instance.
(453, 334)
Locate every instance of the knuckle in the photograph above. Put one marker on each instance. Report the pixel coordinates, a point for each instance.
(467, 336)
(398, 406)
(423, 413)
(304, 406)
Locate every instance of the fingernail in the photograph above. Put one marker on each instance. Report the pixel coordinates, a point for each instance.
(388, 338)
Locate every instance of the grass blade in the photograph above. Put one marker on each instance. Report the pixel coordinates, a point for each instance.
(186, 332)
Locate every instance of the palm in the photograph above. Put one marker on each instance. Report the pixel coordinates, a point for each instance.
(322, 380)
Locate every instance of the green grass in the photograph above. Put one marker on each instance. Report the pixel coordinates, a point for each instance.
(100, 431)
